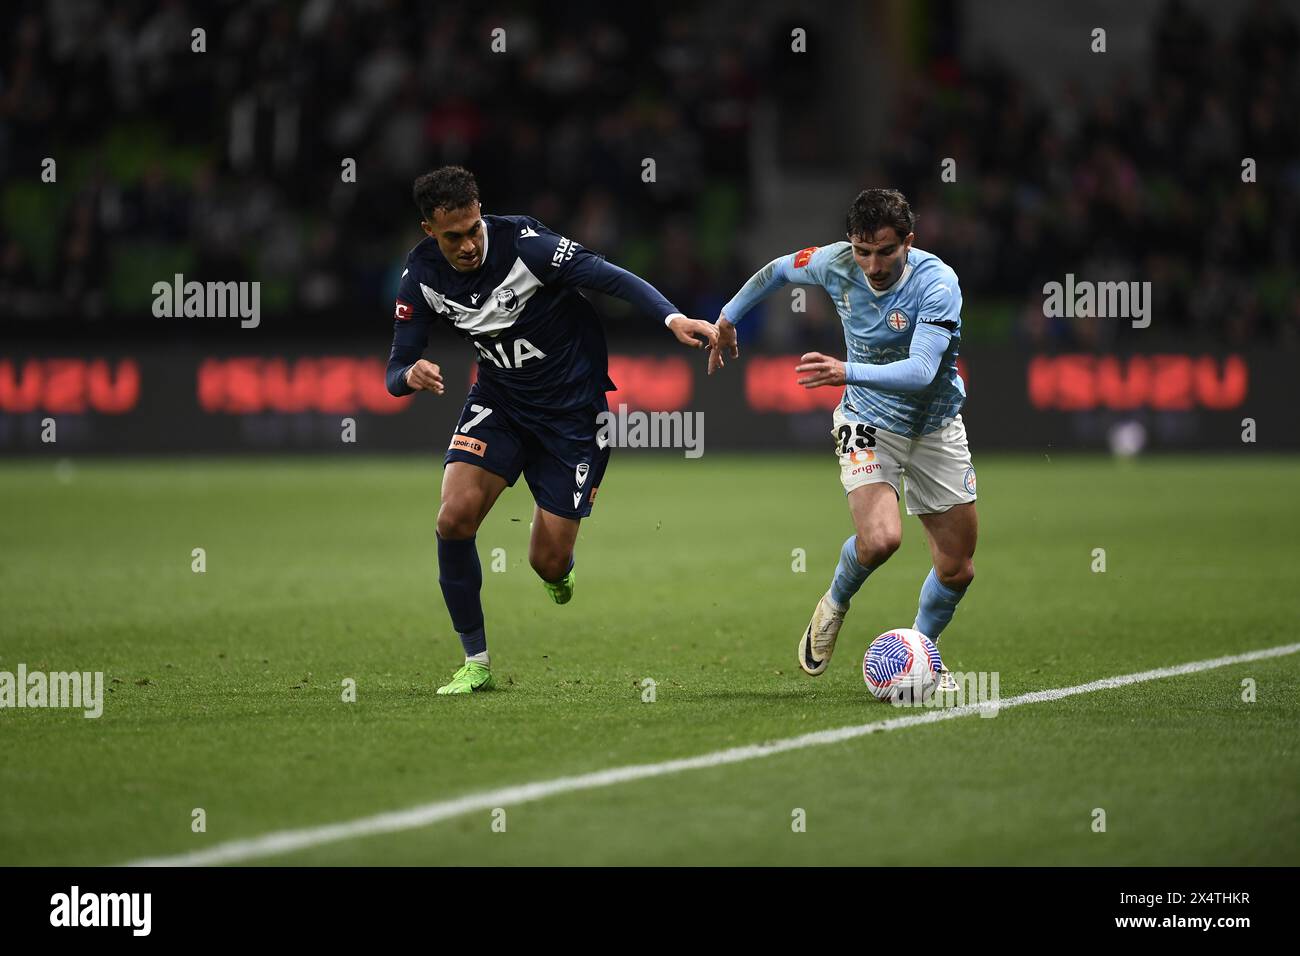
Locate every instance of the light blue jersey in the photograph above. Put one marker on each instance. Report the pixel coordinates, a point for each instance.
(878, 330)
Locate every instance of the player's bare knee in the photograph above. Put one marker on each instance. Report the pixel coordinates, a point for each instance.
(958, 575)
(876, 548)
(456, 522)
(549, 565)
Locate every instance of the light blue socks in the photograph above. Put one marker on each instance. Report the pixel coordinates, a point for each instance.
(849, 575)
(936, 606)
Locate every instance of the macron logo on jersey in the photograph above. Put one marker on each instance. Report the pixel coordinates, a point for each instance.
(528, 232)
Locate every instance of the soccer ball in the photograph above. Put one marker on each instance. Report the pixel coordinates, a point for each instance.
(901, 666)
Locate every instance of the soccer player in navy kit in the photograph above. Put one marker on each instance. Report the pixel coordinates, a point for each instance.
(509, 286)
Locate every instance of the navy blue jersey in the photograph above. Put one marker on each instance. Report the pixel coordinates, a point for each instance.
(539, 341)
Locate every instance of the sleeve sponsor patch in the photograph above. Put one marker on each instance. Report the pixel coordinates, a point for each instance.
(403, 311)
(563, 252)
(803, 255)
(942, 323)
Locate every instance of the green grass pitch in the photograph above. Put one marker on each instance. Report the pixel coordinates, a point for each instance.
(226, 686)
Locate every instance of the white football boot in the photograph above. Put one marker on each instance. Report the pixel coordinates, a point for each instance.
(947, 683)
(818, 641)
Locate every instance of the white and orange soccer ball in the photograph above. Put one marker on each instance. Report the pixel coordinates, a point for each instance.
(902, 666)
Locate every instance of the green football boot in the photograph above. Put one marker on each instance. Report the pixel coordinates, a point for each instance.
(472, 676)
(562, 590)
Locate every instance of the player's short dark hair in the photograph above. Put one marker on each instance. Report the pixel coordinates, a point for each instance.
(876, 208)
(448, 187)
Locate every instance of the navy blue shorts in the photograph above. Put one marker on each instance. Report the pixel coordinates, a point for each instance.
(558, 454)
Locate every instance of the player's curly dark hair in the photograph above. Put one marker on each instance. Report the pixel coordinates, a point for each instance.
(877, 208)
(448, 187)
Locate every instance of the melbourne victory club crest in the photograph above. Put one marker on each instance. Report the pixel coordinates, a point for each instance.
(897, 320)
(507, 300)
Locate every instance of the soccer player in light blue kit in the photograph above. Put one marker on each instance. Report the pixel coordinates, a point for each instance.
(898, 427)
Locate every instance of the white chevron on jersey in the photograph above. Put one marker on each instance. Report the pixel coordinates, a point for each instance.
(498, 310)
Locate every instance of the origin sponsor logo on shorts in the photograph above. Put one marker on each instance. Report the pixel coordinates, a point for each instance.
(472, 445)
(863, 461)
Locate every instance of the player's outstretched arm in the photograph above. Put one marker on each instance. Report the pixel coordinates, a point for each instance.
(798, 267)
(911, 374)
(590, 271)
(686, 330)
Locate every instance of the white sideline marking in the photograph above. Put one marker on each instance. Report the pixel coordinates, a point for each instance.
(286, 841)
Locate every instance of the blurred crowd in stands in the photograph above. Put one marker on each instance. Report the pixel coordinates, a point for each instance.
(228, 163)
(1141, 181)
